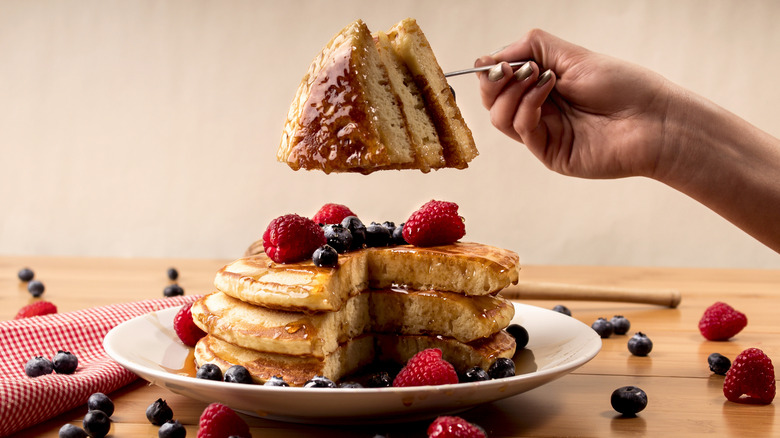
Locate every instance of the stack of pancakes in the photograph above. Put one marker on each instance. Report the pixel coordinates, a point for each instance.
(373, 102)
(297, 320)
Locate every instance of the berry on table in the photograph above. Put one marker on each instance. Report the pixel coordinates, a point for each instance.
(26, 274)
(454, 427)
(332, 214)
(319, 382)
(640, 344)
(65, 362)
(426, 368)
(96, 424)
(357, 229)
(502, 367)
(628, 400)
(721, 322)
(602, 327)
(560, 308)
(71, 431)
(37, 308)
(173, 274)
(325, 257)
(719, 364)
(475, 374)
(173, 290)
(100, 402)
(435, 223)
(218, 421)
(186, 329)
(159, 412)
(172, 429)
(338, 237)
(751, 378)
(238, 374)
(275, 381)
(38, 366)
(292, 238)
(520, 334)
(209, 371)
(35, 288)
(620, 324)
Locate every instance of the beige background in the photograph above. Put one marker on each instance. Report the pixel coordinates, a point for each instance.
(149, 128)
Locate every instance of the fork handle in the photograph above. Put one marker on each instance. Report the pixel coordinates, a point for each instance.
(531, 290)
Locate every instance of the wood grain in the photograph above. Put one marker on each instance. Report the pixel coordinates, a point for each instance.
(685, 399)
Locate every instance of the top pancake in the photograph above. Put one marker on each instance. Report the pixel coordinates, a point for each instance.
(462, 267)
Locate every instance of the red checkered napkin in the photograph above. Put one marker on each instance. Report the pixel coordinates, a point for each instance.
(25, 401)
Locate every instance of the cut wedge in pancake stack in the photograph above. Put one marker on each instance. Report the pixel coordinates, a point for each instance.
(297, 320)
(375, 102)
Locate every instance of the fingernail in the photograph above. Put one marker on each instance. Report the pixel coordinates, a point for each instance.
(524, 72)
(496, 73)
(544, 78)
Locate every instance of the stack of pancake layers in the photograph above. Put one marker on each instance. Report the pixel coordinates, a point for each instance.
(297, 320)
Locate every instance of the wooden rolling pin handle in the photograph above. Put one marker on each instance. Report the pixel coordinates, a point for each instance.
(528, 290)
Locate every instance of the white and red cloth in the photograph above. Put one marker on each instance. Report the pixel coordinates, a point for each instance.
(25, 401)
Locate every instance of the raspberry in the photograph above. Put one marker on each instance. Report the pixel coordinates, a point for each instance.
(454, 427)
(292, 238)
(426, 368)
(219, 421)
(185, 327)
(752, 375)
(332, 214)
(36, 309)
(435, 223)
(720, 322)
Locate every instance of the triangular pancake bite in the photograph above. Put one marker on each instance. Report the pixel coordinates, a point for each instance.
(376, 102)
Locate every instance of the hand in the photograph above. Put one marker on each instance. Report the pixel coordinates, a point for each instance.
(595, 116)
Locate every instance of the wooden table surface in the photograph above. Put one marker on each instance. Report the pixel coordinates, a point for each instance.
(685, 398)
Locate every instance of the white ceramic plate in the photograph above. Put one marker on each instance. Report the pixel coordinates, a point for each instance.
(148, 346)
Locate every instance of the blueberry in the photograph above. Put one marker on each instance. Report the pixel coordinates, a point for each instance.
(390, 226)
(173, 290)
(35, 288)
(475, 374)
(620, 324)
(602, 327)
(501, 368)
(357, 229)
(719, 364)
(325, 257)
(159, 412)
(562, 309)
(339, 237)
(377, 235)
(65, 362)
(38, 366)
(71, 431)
(380, 380)
(275, 381)
(172, 429)
(520, 334)
(640, 344)
(209, 371)
(319, 382)
(350, 385)
(173, 274)
(238, 374)
(628, 400)
(100, 402)
(26, 274)
(398, 235)
(96, 424)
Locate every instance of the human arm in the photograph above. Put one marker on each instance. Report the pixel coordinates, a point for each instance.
(599, 117)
